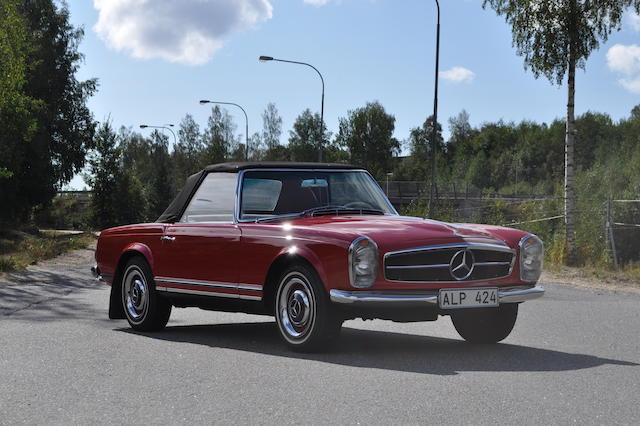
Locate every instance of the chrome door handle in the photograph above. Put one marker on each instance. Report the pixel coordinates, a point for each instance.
(167, 238)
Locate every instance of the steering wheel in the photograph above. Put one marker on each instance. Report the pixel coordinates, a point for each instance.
(358, 205)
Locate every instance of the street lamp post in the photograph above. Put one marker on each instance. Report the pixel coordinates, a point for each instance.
(435, 118)
(166, 127)
(246, 123)
(269, 58)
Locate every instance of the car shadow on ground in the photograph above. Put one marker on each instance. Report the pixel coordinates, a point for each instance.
(387, 350)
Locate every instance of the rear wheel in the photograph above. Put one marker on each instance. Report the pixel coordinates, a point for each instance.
(303, 312)
(145, 310)
(485, 325)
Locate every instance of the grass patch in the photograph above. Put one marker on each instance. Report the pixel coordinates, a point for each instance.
(19, 250)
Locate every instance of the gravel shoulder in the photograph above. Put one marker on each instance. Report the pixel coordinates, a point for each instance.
(582, 278)
(47, 280)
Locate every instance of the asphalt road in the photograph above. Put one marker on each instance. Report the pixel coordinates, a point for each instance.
(574, 357)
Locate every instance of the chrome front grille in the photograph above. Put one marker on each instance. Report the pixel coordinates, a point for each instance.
(450, 262)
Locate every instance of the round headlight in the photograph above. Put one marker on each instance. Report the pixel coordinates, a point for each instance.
(363, 262)
(531, 258)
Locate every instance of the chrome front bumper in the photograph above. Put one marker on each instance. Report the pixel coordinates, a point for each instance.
(385, 298)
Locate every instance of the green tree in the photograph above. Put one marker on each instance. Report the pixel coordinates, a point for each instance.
(271, 131)
(219, 137)
(49, 137)
(159, 188)
(17, 113)
(555, 37)
(421, 146)
(305, 139)
(104, 168)
(185, 158)
(367, 133)
(458, 150)
(118, 196)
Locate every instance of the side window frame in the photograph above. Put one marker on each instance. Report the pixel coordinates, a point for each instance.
(234, 213)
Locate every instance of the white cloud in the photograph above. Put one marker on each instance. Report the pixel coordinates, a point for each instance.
(624, 59)
(634, 20)
(185, 31)
(458, 75)
(316, 2)
(631, 84)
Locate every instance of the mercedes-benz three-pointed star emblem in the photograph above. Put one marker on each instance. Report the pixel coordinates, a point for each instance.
(461, 265)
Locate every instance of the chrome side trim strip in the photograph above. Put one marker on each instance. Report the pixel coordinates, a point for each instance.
(246, 297)
(208, 285)
(195, 282)
(197, 292)
(207, 293)
(251, 287)
(367, 298)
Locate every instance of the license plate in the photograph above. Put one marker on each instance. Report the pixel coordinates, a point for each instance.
(468, 298)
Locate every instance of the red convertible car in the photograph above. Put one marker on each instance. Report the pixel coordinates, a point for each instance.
(314, 245)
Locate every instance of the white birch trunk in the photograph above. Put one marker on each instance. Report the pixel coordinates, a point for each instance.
(569, 194)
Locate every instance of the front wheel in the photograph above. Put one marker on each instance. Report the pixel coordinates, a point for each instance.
(145, 310)
(303, 312)
(485, 325)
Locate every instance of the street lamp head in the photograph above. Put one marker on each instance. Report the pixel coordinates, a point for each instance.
(204, 101)
(266, 58)
(143, 126)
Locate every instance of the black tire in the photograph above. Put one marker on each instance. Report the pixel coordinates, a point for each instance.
(485, 325)
(304, 315)
(144, 308)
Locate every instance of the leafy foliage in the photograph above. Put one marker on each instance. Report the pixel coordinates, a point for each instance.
(305, 139)
(46, 125)
(545, 33)
(367, 135)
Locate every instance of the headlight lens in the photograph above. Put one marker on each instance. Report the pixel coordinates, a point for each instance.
(363, 262)
(531, 258)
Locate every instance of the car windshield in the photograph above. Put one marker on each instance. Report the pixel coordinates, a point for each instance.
(267, 193)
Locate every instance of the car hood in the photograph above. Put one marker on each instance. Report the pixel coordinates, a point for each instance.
(398, 232)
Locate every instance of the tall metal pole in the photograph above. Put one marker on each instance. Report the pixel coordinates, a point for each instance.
(435, 119)
(269, 58)
(246, 123)
(175, 140)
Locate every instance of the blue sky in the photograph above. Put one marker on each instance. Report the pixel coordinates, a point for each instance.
(156, 58)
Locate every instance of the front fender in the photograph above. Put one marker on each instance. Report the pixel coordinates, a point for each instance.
(141, 248)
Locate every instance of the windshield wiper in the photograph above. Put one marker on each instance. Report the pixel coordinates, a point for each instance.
(322, 211)
(327, 210)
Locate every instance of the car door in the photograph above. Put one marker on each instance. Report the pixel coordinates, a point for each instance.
(200, 253)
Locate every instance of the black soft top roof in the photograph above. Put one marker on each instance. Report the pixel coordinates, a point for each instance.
(178, 205)
(235, 167)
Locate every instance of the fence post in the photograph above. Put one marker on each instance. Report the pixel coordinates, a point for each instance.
(610, 236)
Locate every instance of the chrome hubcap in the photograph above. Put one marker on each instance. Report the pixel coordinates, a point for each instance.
(136, 294)
(296, 308)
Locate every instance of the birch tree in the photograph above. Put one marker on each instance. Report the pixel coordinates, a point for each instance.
(555, 37)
